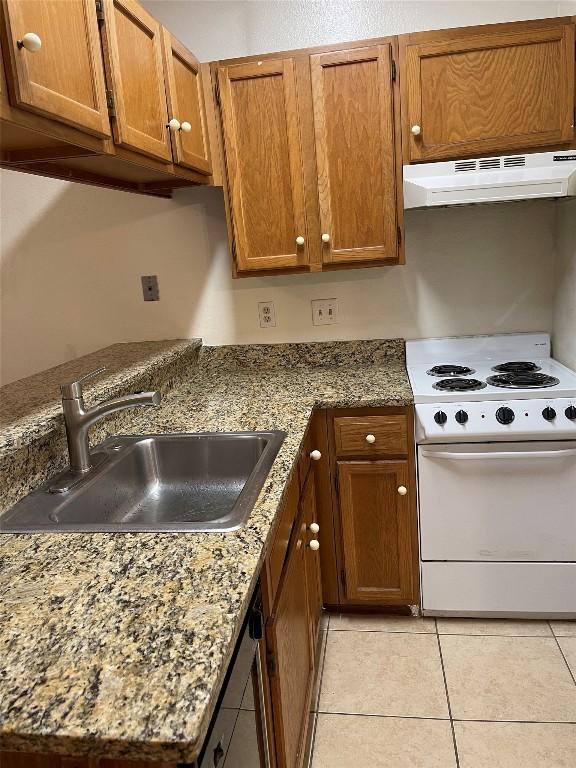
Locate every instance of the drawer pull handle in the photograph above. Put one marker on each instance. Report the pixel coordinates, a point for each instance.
(314, 544)
(314, 527)
(370, 439)
(415, 130)
(315, 455)
(299, 240)
(402, 490)
(325, 238)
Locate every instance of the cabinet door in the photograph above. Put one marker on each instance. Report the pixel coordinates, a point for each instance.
(64, 79)
(263, 153)
(313, 578)
(186, 104)
(133, 46)
(355, 134)
(289, 640)
(378, 531)
(478, 95)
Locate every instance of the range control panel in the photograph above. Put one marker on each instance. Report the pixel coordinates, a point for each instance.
(497, 420)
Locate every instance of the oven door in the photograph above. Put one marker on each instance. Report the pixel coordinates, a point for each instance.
(512, 502)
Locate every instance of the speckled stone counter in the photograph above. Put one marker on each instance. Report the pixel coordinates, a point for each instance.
(117, 644)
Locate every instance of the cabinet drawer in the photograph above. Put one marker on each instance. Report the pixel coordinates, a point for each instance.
(371, 435)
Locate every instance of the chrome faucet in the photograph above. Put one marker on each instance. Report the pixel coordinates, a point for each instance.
(78, 419)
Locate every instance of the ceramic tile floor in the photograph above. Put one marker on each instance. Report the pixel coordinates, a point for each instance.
(400, 692)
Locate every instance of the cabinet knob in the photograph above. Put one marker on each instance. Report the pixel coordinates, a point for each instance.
(299, 240)
(174, 125)
(416, 130)
(30, 41)
(315, 455)
(314, 527)
(402, 490)
(370, 439)
(325, 237)
(186, 127)
(314, 544)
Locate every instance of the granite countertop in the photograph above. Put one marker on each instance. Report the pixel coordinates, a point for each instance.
(117, 644)
(30, 408)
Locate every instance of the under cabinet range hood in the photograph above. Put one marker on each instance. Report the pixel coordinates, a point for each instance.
(490, 179)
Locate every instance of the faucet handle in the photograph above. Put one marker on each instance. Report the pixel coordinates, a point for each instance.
(74, 388)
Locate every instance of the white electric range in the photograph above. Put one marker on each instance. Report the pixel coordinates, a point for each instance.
(496, 454)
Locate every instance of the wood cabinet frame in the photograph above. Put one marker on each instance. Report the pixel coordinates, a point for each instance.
(415, 47)
(125, 134)
(409, 458)
(38, 98)
(385, 54)
(173, 48)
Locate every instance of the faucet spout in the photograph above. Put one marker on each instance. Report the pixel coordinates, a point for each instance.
(78, 419)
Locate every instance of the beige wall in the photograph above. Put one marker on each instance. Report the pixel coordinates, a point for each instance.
(565, 299)
(72, 256)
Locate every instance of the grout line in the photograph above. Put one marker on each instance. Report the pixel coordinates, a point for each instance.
(321, 670)
(447, 697)
(572, 675)
(382, 631)
(313, 739)
(317, 703)
(383, 717)
(444, 719)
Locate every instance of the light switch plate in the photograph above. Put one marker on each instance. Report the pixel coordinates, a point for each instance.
(324, 311)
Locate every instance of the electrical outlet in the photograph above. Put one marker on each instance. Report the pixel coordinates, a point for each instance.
(324, 311)
(150, 290)
(267, 314)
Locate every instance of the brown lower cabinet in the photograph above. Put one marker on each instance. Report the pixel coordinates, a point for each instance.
(345, 538)
(376, 524)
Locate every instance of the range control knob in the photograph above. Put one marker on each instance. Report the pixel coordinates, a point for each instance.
(440, 417)
(504, 415)
(461, 417)
(570, 412)
(549, 413)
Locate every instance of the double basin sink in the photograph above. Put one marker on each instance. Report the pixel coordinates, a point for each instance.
(180, 483)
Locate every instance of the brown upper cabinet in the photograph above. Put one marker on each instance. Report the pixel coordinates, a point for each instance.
(264, 162)
(54, 52)
(312, 158)
(133, 50)
(357, 155)
(186, 104)
(485, 90)
(90, 86)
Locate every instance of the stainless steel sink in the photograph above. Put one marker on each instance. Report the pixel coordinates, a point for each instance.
(180, 482)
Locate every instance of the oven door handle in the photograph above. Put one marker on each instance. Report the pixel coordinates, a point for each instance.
(452, 456)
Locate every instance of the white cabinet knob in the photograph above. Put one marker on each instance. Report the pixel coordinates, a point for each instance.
(299, 240)
(314, 527)
(315, 455)
(370, 439)
(30, 41)
(416, 130)
(402, 490)
(314, 544)
(174, 125)
(186, 127)
(325, 238)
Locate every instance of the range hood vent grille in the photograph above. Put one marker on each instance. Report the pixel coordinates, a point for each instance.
(515, 162)
(490, 164)
(465, 165)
